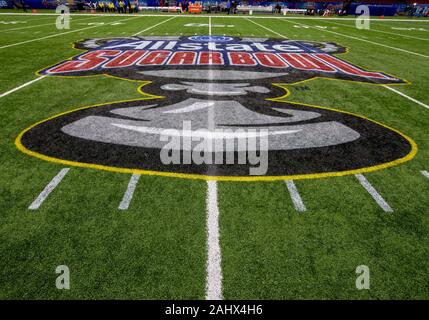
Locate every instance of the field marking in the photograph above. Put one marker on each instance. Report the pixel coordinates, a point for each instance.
(425, 173)
(60, 34)
(407, 97)
(295, 196)
(214, 270)
(21, 86)
(40, 25)
(268, 29)
(374, 194)
(197, 16)
(361, 39)
(136, 34)
(381, 31)
(32, 20)
(394, 90)
(128, 195)
(48, 189)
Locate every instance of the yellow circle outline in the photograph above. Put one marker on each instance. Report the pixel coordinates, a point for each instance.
(408, 157)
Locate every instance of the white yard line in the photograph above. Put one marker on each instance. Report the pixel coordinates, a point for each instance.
(48, 189)
(32, 20)
(136, 34)
(407, 97)
(61, 34)
(214, 269)
(46, 24)
(386, 86)
(128, 196)
(425, 173)
(198, 16)
(374, 194)
(295, 196)
(268, 29)
(44, 76)
(21, 86)
(361, 39)
(28, 27)
(377, 30)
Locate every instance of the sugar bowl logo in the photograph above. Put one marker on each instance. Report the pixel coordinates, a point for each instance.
(213, 84)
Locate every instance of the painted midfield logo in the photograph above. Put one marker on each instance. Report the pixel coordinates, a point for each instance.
(217, 83)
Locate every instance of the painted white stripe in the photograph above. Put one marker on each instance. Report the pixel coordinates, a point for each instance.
(296, 198)
(21, 86)
(268, 29)
(204, 133)
(407, 97)
(45, 24)
(214, 270)
(374, 194)
(214, 267)
(61, 34)
(191, 108)
(48, 189)
(128, 196)
(28, 27)
(198, 16)
(425, 173)
(391, 89)
(361, 39)
(136, 34)
(380, 31)
(31, 20)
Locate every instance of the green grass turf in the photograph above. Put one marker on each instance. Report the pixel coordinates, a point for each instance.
(157, 248)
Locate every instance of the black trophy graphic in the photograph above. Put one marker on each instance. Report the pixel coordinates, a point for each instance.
(218, 97)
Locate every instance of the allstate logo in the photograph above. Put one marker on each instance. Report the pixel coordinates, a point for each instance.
(211, 38)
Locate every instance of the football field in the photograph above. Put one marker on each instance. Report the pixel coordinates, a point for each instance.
(128, 227)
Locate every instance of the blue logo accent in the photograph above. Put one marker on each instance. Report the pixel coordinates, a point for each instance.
(211, 38)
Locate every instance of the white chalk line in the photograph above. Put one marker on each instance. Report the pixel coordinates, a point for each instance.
(214, 269)
(40, 25)
(266, 28)
(61, 34)
(391, 89)
(136, 34)
(364, 40)
(41, 77)
(377, 30)
(407, 97)
(374, 194)
(128, 195)
(198, 16)
(31, 20)
(48, 189)
(21, 86)
(295, 196)
(425, 173)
